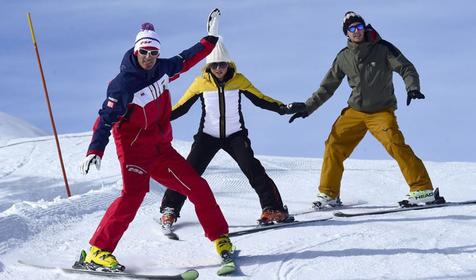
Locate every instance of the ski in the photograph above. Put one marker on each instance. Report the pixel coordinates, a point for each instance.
(228, 265)
(275, 226)
(187, 275)
(396, 210)
(339, 206)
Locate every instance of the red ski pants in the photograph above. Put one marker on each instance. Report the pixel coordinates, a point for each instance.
(169, 168)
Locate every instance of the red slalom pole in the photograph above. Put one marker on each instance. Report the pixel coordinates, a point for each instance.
(49, 105)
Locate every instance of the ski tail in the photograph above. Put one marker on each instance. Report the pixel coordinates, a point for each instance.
(275, 226)
(396, 210)
(228, 265)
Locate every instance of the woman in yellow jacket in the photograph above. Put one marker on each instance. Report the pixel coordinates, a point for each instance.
(220, 89)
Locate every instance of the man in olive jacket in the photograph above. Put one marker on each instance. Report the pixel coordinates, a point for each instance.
(368, 62)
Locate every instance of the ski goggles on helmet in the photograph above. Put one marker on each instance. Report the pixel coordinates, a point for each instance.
(354, 28)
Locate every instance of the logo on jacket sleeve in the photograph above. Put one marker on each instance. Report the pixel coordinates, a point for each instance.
(111, 102)
(135, 169)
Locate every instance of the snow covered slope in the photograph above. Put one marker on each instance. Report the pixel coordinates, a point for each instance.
(38, 223)
(11, 127)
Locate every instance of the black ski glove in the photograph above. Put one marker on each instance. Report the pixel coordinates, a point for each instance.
(292, 108)
(414, 94)
(296, 107)
(283, 109)
(298, 115)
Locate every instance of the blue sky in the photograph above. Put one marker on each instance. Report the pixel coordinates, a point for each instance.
(283, 47)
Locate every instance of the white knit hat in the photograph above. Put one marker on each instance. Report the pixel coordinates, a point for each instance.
(219, 53)
(147, 38)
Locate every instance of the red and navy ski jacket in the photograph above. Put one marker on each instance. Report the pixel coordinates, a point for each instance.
(141, 97)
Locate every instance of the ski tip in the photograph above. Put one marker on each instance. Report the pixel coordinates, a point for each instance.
(227, 269)
(172, 236)
(191, 274)
(339, 214)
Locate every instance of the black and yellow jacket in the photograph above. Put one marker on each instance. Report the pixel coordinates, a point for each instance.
(221, 102)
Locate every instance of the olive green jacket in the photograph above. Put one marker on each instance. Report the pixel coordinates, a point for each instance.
(368, 67)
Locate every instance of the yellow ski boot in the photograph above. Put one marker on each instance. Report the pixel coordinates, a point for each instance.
(101, 260)
(224, 248)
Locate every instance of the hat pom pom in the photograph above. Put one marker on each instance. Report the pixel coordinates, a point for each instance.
(147, 26)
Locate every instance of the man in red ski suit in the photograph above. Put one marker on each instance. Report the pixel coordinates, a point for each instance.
(138, 109)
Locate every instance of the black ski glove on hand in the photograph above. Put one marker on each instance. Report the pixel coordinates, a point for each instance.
(298, 115)
(414, 94)
(296, 107)
(283, 109)
(292, 108)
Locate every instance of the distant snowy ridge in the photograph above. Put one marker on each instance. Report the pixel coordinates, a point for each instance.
(12, 127)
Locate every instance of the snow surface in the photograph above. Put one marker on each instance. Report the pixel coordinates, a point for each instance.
(37, 222)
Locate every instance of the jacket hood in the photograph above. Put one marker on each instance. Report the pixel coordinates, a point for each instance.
(371, 35)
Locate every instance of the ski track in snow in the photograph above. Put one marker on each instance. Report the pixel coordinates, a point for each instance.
(39, 205)
(16, 163)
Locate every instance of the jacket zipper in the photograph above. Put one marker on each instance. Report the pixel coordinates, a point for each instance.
(145, 119)
(135, 138)
(362, 79)
(221, 101)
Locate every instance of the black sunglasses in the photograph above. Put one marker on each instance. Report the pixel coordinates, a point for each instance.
(151, 52)
(216, 65)
(354, 28)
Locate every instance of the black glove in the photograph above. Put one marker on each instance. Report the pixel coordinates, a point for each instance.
(296, 107)
(292, 108)
(414, 94)
(283, 109)
(298, 115)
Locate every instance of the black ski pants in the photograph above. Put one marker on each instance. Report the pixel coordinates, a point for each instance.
(238, 146)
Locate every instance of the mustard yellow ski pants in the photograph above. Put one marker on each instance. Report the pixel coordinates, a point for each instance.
(349, 129)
